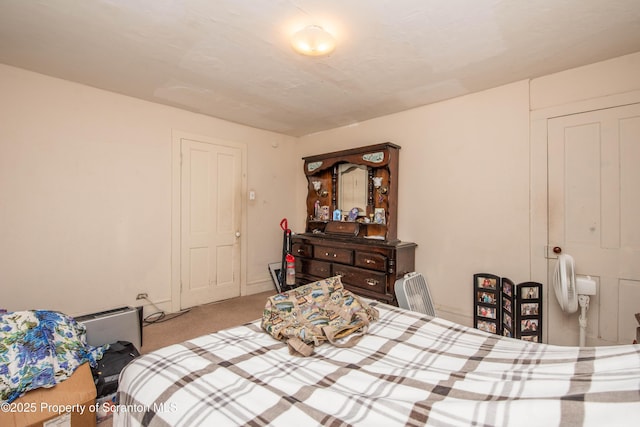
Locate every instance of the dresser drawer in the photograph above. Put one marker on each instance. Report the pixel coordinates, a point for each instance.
(313, 267)
(302, 249)
(343, 256)
(371, 261)
(366, 279)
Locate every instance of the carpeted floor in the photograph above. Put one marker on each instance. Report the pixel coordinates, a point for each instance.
(200, 320)
(203, 319)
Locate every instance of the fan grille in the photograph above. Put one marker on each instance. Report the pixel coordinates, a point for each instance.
(565, 284)
(413, 294)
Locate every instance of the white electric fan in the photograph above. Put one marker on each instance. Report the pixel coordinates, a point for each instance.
(412, 293)
(572, 291)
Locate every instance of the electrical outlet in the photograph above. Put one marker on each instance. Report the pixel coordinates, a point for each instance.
(142, 295)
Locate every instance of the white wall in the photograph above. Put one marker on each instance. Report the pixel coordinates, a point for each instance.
(85, 195)
(464, 187)
(578, 87)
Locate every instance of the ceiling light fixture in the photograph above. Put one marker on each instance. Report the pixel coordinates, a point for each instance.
(313, 41)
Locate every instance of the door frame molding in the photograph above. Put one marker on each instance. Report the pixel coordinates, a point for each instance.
(538, 129)
(176, 196)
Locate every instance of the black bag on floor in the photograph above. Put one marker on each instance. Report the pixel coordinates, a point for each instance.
(105, 375)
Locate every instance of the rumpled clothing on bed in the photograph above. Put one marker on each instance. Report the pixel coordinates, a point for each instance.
(40, 348)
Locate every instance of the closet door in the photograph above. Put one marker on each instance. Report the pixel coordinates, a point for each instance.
(594, 211)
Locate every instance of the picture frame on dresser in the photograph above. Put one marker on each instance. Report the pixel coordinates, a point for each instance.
(379, 216)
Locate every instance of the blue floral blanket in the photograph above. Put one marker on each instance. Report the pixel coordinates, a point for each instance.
(40, 348)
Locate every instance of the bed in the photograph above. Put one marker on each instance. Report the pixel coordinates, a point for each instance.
(409, 369)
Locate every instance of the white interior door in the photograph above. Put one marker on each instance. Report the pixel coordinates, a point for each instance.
(210, 222)
(594, 216)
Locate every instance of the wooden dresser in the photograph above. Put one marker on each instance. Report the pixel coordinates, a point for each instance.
(369, 268)
(351, 222)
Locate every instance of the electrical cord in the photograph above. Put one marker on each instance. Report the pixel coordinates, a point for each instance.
(160, 315)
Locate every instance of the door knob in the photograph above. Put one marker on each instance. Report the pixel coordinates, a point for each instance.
(237, 234)
(557, 249)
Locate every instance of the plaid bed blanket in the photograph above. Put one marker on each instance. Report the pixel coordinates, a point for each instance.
(409, 369)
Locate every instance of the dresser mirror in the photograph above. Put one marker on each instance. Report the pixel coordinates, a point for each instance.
(353, 187)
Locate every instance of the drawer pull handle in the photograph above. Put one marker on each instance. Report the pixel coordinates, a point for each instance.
(370, 261)
(338, 273)
(300, 251)
(328, 254)
(372, 282)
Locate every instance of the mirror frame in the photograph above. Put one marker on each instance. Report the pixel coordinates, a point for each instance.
(381, 161)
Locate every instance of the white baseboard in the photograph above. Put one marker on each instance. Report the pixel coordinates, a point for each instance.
(259, 286)
(450, 314)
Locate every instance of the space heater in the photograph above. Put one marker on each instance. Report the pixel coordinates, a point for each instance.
(119, 324)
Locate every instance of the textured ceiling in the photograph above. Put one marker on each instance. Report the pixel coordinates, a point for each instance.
(232, 59)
